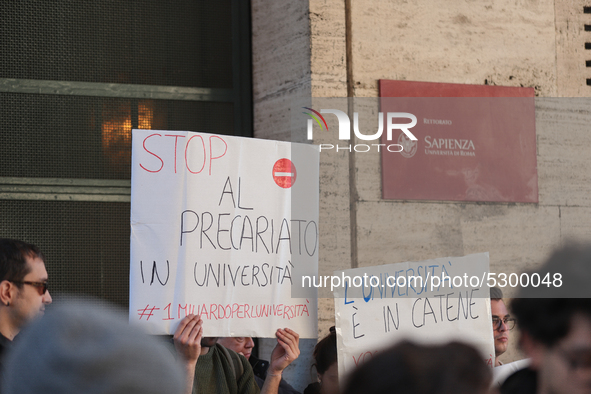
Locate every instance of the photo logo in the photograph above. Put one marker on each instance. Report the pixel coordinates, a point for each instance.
(316, 119)
(345, 130)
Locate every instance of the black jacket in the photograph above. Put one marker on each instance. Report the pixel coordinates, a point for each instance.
(523, 381)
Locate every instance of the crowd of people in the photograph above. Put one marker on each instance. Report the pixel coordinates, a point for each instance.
(78, 347)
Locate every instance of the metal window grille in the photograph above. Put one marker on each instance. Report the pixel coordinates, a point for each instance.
(75, 78)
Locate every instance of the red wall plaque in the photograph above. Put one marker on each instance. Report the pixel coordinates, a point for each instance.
(475, 143)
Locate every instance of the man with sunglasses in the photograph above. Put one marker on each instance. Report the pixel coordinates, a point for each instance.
(23, 288)
(502, 323)
(555, 323)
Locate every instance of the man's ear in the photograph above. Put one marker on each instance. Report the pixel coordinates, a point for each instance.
(533, 349)
(7, 292)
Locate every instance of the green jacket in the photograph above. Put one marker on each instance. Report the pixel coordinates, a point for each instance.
(216, 374)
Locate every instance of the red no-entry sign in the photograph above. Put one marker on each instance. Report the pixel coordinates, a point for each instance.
(284, 173)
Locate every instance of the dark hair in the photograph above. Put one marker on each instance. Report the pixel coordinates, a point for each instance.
(545, 312)
(13, 258)
(496, 294)
(408, 368)
(325, 352)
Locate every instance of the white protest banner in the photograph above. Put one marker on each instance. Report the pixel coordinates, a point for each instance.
(220, 227)
(432, 301)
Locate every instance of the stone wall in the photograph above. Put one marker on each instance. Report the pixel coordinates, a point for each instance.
(326, 48)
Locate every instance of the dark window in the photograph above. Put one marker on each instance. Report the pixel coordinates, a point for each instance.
(75, 78)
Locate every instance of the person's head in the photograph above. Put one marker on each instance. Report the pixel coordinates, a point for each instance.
(325, 362)
(81, 347)
(408, 368)
(241, 345)
(501, 320)
(556, 332)
(23, 284)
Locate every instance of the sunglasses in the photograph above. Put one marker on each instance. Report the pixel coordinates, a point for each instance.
(41, 286)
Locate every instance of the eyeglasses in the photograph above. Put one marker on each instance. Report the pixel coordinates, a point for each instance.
(41, 286)
(508, 321)
(576, 359)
